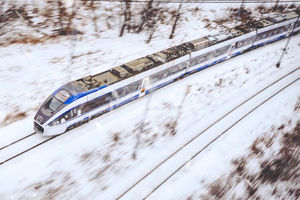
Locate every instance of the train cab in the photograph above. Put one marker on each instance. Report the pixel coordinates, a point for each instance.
(50, 107)
(55, 103)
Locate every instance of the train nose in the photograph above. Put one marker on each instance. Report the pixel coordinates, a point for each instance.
(38, 128)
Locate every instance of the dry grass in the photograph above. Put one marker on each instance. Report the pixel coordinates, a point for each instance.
(278, 174)
(13, 117)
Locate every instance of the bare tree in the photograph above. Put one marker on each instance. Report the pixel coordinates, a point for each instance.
(276, 5)
(176, 15)
(151, 30)
(61, 16)
(127, 18)
(147, 14)
(65, 18)
(150, 19)
(91, 5)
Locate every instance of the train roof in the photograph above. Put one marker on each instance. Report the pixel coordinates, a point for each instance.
(177, 51)
(138, 65)
(279, 17)
(200, 43)
(96, 82)
(235, 32)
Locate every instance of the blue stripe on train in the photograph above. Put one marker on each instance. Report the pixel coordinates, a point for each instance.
(269, 41)
(192, 71)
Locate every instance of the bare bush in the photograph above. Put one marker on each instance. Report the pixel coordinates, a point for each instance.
(280, 170)
(13, 117)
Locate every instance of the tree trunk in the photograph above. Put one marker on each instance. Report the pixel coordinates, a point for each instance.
(177, 17)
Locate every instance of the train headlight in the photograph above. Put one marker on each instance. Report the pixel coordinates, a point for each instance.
(54, 123)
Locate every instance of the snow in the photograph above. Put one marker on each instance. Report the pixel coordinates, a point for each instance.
(233, 144)
(206, 137)
(95, 161)
(10, 134)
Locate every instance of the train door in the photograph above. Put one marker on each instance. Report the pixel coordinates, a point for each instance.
(144, 86)
(231, 48)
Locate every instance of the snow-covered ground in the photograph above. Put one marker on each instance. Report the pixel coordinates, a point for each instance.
(215, 162)
(95, 161)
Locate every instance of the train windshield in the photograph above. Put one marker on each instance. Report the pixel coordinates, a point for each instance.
(58, 99)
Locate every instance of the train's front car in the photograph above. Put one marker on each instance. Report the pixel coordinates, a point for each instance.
(48, 120)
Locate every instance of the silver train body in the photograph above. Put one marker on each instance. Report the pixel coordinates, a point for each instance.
(81, 100)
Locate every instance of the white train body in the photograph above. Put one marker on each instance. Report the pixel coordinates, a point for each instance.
(81, 100)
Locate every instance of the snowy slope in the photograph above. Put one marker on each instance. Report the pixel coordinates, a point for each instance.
(215, 161)
(97, 156)
(95, 160)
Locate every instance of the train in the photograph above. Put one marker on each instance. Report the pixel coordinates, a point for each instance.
(79, 101)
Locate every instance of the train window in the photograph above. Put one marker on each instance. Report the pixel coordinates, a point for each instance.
(202, 58)
(276, 31)
(265, 35)
(259, 36)
(262, 35)
(179, 67)
(210, 55)
(168, 72)
(172, 70)
(156, 77)
(98, 102)
(123, 91)
(183, 66)
(245, 42)
(286, 27)
(273, 32)
(62, 95)
(270, 33)
(205, 57)
(67, 116)
(54, 104)
(57, 100)
(193, 62)
(108, 98)
(128, 89)
(222, 50)
(197, 60)
(279, 30)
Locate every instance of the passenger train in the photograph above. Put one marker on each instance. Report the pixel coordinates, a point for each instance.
(81, 100)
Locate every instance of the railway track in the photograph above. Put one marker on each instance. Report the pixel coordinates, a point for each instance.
(157, 176)
(21, 146)
(33, 140)
(18, 140)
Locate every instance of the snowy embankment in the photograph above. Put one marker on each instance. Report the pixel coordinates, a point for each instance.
(273, 120)
(97, 156)
(95, 160)
(205, 138)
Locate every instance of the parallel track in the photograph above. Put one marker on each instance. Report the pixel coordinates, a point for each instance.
(224, 132)
(44, 140)
(152, 171)
(16, 141)
(35, 140)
